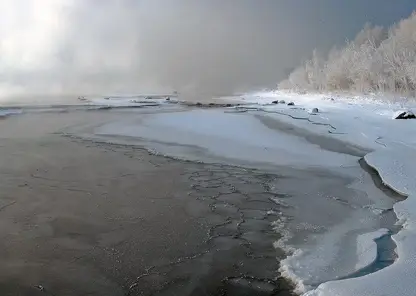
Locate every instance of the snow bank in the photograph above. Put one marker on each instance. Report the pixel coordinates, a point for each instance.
(368, 124)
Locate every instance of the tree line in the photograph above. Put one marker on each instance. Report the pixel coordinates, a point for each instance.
(377, 60)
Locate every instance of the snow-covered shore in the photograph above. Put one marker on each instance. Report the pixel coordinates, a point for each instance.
(368, 124)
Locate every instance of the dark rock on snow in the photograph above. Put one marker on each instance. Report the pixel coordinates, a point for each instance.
(279, 102)
(291, 104)
(404, 115)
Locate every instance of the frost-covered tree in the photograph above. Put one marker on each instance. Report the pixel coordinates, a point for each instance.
(369, 34)
(314, 71)
(376, 60)
(337, 69)
(309, 76)
(298, 79)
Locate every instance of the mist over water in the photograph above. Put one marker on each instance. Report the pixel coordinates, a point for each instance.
(194, 47)
(198, 48)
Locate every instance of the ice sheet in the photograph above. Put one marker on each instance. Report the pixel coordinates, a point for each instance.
(240, 137)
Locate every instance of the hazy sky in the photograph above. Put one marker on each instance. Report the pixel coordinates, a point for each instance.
(197, 47)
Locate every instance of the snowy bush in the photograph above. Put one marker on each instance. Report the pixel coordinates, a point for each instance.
(377, 60)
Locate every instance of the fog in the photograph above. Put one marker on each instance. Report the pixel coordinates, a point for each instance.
(198, 48)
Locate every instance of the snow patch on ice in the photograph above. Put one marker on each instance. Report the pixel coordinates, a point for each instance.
(396, 167)
(367, 248)
(326, 260)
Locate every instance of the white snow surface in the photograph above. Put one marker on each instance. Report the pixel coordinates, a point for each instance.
(366, 123)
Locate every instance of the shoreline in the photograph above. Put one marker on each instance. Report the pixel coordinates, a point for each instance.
(230, 206)
(327, 144)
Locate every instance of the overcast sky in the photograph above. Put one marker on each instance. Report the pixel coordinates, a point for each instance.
(197, 47)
